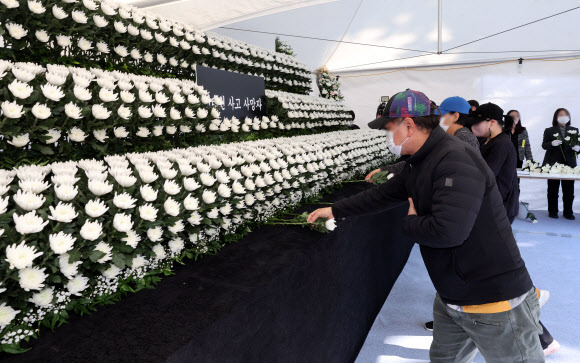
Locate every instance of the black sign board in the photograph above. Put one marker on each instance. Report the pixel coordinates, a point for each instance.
(243, 95)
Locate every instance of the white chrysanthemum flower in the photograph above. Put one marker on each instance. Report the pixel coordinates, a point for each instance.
(20, 140)
(10, 4)
(148, 212)
(28, 201)
(21, 256)
(155, 234)
(206, 179)
(20, 89)
(100, 112)
(29, 223)
(194, 219)
(31, 278)
(95, 208)
(91, 230)
(171, 187)
(52, 92)
(103, 47)
(330, 224)
(171, 207)
(132, 239)
(7, 314)
(106, 249)
(61, 242)
(77, 284)
(177, 227)
(16, 31)
(159, 252)
(43, 298)
(11, 109)
(176, 245)
(79, 16)
(208, 196)
(63, 212)
(122, 222)
(99, 188)
(53, 136)
(112, 272)
(191, 203)
(42, 36)
(124, 201)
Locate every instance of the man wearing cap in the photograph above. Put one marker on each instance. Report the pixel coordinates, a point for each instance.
(485, 296)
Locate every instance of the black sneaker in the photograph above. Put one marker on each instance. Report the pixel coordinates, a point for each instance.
(429, 325)
(570, 217)
(553, 215)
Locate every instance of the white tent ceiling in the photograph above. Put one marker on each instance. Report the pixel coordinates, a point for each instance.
(413, 25)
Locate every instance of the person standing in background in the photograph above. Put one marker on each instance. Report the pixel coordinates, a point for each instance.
(520, 139)
(474, 104)
(499, 153)
(454, 111)
(558, 151)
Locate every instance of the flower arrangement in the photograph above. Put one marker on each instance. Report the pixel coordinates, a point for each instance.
(329, 86)
(317, 111)
(573, 139)
(73, 233)
(116, 36)
(557, 168)
(59, 110)
(283, 47)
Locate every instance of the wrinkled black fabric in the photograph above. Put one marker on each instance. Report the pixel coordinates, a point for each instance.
(282, 294)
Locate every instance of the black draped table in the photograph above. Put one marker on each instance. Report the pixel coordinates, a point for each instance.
(281, 294)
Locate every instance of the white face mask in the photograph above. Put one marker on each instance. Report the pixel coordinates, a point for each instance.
(394, 148)
(562, 120)
(442, 123)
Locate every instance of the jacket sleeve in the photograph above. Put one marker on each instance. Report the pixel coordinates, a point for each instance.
(395, 168)
(547, 140)
(527, 146)
(386, 196)
(458, 192)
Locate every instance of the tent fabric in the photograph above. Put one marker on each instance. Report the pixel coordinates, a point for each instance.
(413, 25)
(206, 15)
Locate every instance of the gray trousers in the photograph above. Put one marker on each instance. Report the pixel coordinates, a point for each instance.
(510, 336)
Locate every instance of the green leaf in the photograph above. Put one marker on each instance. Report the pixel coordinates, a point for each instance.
(13, 348)
(96, 255)
(119, 260)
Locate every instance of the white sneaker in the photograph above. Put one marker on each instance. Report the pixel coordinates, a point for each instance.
(552, 348)
(544, 296)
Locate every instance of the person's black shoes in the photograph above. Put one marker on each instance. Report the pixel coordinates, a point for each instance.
(553, 215)
(570, 217)
(429, 325)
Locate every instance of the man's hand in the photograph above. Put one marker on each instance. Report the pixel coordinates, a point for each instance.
(412, 211)
(370, 175)
(320, 213)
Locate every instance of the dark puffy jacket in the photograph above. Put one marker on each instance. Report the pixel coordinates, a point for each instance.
(500, 155)
(461, 225)
(562, 154)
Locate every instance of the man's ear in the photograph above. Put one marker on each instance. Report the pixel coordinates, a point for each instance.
(410, 124)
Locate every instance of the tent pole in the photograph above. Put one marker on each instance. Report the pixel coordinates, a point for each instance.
(440, 26)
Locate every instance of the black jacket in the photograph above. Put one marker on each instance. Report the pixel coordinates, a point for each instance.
(461, 225)
(500, 155)
(554, 154)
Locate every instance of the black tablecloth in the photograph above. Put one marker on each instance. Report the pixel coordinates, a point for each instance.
(282, 294)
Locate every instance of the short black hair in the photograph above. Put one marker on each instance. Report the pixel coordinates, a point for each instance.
(473, 103)
(463, 120)
(427, 123)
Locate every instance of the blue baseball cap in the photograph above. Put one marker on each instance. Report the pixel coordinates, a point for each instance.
(453, 104)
